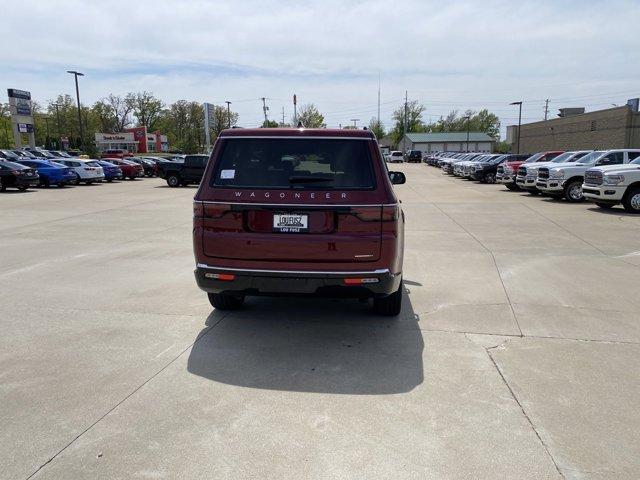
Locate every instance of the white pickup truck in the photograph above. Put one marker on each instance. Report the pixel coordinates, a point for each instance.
(527, 174)
(565, 179)
(609, 186)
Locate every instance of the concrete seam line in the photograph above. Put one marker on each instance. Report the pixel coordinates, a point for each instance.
(515, 398)
(537, 337)
(129, 395)
(613, 257)
(495, 264)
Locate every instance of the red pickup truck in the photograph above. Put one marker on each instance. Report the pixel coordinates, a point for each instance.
(116, 153)
(508, 171)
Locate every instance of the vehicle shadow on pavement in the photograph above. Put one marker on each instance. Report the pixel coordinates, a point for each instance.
(311, 345)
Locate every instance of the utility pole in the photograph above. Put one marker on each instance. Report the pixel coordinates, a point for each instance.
(468, 117)
(519, 123)
(355, 122)
(228, 113)
(265, 109)
(283, 116)
(76, 75)
(404, 136)
(58, 141)
(378, 98)
(546, 108)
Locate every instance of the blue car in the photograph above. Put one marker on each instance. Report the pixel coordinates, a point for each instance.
(111, 172)
(51, 173)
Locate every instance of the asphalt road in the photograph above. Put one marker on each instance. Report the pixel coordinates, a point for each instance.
(516, 356)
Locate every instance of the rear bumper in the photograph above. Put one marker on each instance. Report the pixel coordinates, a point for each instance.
(293, 283)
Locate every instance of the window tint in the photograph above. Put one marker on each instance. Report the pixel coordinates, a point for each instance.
(612, 158)
(633, 155)
(297, 164)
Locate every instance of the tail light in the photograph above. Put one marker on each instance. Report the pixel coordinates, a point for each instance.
(227, 277)
(360, 281)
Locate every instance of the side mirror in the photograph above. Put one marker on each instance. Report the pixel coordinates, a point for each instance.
(397, 178)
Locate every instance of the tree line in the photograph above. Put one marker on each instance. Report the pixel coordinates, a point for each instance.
(183, 121)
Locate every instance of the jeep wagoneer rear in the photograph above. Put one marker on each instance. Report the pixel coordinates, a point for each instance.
(298, 212)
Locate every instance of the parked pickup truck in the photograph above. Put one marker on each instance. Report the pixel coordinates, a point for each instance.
(507, 172)
(528, 173)
(614, 184)
(565, 179)
(181, 174)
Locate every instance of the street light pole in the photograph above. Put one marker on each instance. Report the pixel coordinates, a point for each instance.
(355, 122)
(76, 75)
(58, 141)
(228, 113)
(519, 122)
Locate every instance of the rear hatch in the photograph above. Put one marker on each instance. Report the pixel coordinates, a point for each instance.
(293, 200)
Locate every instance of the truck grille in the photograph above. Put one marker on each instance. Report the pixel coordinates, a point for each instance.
(522, 171)
(543, 172)
(593, 177)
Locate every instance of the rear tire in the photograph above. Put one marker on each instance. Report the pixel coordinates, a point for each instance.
(173, 181)
(604, 206)
(631, 201)
(390, 305)
(223, 301)
(490, 178)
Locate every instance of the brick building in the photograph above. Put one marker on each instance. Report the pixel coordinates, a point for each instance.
(617, 127)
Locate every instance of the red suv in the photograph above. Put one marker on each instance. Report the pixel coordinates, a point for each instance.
(298, 212)
(116, 153)
(508, 171)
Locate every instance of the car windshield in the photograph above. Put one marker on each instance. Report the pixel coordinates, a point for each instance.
(564, 157)
(534, 158)
(636, 161)
(295, 164)
(93, 164)
(591, 157)
(12, 165)
(498, 159)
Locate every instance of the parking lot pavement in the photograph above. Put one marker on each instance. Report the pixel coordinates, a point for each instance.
(516, 355)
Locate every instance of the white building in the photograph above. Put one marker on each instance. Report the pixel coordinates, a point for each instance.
(448, 142)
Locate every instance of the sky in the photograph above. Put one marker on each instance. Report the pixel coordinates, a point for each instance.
(447, 55)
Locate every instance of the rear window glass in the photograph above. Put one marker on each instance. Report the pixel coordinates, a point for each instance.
(312, 164)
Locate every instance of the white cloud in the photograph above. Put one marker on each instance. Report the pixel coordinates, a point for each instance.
(464, 54)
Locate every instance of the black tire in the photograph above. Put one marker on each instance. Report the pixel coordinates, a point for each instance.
(605, 206)
(174, 180)
(3, 188)
(573, 192)
(534, 192)
(45, 183)
(512, 187)
(77, 181)
(489, 178)
(223, 301)
(22, 188)
(390, 305)
(109, 180)
(61, 185)
(631, 200)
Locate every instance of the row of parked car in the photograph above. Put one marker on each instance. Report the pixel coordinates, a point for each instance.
(30, 167)
(605, 177)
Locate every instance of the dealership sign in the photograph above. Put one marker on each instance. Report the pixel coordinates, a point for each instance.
(19, 102)
(21, 116)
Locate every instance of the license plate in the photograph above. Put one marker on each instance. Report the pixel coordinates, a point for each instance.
(290, 222)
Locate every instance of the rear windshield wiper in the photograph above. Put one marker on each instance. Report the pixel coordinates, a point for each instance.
(308, 179)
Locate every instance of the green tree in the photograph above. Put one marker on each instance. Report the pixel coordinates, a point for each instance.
(270, 124)
(6, 135)
(310, 116)
(376, 127)
(147, 109)
(482, 121)
(414, 111)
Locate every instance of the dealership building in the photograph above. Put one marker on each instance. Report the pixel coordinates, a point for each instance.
(575, 129)
(134, 140)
